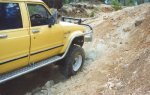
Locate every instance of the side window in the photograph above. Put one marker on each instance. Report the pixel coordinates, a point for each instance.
(38, 15)
(10, 16)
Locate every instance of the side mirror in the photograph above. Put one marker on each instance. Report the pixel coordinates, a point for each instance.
(53, 18)
(51, 21)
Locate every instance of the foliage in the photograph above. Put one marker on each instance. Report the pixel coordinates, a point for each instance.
(69, 1)
(66, 1)
(92, 14)
(116, 5)
(130, 2)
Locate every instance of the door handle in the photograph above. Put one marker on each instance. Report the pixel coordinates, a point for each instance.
(35, 31)
(3, 36)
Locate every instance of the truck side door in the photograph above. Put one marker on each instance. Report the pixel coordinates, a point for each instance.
(45, 41)
(14, 36)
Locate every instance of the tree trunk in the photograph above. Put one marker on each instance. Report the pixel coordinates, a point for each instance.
(54, 3)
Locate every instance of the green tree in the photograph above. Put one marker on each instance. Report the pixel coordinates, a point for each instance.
(116, 5)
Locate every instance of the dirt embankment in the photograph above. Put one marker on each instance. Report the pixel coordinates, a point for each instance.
(118, 59)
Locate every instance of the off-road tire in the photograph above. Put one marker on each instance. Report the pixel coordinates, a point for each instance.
(68, 62)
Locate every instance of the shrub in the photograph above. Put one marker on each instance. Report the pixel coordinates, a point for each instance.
(92, 14)
(130, 2)
(116, 5)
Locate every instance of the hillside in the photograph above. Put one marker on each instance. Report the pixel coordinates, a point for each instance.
(118, 62)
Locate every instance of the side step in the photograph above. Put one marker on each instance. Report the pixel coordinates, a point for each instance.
(17, 73)
(14, 74)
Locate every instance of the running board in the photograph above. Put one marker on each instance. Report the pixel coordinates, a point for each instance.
(30, 68)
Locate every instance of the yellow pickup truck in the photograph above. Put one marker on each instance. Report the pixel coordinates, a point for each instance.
(31, 38)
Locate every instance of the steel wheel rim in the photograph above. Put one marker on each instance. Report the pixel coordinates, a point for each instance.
(77, 63)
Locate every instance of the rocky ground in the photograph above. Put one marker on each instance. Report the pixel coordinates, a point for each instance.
(84, 9)
(117, 61)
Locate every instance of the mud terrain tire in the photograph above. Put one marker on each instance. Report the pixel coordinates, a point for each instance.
(73, 61)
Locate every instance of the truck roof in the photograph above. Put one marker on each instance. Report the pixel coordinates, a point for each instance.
(24, 0)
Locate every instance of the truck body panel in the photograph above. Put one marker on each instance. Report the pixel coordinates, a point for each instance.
(14, 49)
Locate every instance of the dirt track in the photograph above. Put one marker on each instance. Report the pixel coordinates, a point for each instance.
(117, 61)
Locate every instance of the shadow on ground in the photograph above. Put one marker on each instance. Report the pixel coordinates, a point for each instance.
(28, 82)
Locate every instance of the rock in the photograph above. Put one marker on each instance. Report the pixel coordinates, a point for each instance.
(126, 43)
(115, 24)
(114, 46)
(49, 84)
(78, 6)
(110, 85)
(112, 19)
(106, 9)
(45, 92)
(105, 17)
(78, 11)
(125, 66)
(127, 29)
(42, 92)
(36, 91)
(148, 38)
(118, 85)
(28, 93)
(138, 22)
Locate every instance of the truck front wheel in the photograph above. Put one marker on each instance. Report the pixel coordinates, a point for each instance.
(73, 61)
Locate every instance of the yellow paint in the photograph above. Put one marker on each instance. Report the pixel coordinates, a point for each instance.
(45, 39)
(22, 41)
(21, 0)
(70, 32)
(15, 45)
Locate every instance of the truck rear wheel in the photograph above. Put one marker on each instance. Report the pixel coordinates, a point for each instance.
(73, 61)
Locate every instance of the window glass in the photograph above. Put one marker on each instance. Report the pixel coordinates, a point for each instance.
(38, 15)
(10, 16)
